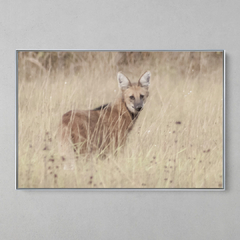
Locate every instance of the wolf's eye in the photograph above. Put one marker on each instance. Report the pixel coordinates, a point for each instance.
(141, 96)
(132, 97)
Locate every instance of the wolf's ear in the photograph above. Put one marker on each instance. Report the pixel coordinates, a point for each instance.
(123, 81)
(144, 80)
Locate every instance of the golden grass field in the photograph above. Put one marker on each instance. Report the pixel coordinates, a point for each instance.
(177, 141)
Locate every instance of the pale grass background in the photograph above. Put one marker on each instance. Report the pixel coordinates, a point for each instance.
(185, 87)
(119, 25)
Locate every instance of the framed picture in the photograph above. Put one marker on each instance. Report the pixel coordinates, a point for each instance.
(130, 120)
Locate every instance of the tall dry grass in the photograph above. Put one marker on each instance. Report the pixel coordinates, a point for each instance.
(176, 142)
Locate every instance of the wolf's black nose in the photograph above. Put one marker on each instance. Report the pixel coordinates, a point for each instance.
(139, 108)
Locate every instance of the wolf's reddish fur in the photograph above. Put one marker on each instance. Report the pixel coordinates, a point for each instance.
(106, 126)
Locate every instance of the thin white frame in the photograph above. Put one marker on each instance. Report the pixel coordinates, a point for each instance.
(120, 189)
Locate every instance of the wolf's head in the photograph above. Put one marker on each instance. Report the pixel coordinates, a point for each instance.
(134, 94)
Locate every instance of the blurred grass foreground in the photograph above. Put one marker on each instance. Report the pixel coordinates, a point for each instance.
(177, 141)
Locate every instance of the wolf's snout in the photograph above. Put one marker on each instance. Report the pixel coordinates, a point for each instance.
(138, 108)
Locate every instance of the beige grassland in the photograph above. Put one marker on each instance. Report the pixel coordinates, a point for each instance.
(177, 141)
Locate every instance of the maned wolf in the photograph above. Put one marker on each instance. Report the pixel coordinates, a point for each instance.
(107, 126)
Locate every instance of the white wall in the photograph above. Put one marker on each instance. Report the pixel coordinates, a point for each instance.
(122, 24)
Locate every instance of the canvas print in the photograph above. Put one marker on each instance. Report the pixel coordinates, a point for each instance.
(120, 119)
